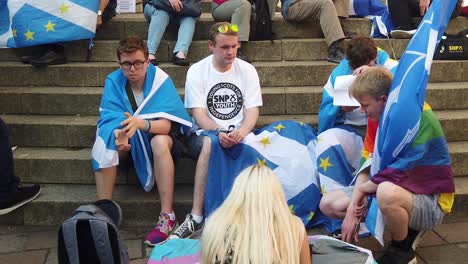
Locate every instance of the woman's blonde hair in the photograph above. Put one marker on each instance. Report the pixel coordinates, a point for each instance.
(254, 224)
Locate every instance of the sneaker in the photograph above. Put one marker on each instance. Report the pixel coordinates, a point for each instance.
(403, 32)
(189, 228)
(396, 256)
(335, 52)
(22, 196)
(161, 231)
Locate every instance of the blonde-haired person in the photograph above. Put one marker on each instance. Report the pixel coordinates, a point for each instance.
(254, 224)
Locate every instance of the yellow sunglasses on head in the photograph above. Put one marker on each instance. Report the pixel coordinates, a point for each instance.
(225, 28)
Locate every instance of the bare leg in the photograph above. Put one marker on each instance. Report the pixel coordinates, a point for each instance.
(334, 204)
(395, 203)
(201, 172)
(164, 170)
(105, 182)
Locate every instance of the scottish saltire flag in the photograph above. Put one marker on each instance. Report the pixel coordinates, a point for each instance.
(401, 121)
(287, 147)
(176, 251)
(338, 152)
(161, 101)
(376, 11)
(329, 114)
(32, 22)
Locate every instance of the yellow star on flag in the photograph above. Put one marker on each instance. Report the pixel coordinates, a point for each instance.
(279, 127)
(300, 123)
(325, 163)
(319, 139)
(311, 215)
(63, 8)
(291, 209)
(29, 35)
(261, 162)
(322, 189)
(50, 26)
(14, 33)
(265, 141)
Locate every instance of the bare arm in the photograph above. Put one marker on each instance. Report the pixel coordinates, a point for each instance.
(203, 120)
(102, 6)
(131, 124)
(250, 119)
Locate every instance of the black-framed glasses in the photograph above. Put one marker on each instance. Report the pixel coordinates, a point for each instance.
(126, 65)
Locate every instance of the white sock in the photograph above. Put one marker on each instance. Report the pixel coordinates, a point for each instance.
(197, 218)
(171, 216)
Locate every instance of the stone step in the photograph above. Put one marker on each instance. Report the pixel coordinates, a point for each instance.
(276, 100)
(79, 131)
(277, 50)
(135, 24)
(57, 202)
(277, 73)
(73, 165)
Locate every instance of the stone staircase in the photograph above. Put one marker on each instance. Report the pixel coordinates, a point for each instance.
(52, 112)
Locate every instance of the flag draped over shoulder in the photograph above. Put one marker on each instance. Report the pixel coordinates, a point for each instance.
(376, 11)
(161, 101)
(338, 157)
(287, 147)
(32, 22)
(329, 114)
(403, 129)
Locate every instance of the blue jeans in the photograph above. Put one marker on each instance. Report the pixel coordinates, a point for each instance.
(159, 19)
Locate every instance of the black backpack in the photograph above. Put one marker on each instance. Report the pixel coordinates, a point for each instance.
(91, 236)
(261, 26)
(453, 47)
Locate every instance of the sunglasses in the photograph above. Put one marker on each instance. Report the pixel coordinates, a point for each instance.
(225, 28)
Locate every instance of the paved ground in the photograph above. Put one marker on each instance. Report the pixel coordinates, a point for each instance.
(448, 243)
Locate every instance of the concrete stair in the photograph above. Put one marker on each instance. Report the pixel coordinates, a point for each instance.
(52, 112)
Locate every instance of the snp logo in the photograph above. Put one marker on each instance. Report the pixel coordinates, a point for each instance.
(224, 101)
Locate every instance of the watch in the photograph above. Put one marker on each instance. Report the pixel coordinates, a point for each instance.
(218, 130)
(99, 13)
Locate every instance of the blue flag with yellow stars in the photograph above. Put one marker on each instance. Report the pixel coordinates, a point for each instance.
(287, 147)
(26, 23)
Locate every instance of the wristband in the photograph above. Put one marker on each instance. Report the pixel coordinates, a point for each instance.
(149, 126)
(146, 125)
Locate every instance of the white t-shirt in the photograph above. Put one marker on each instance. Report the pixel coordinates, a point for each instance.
(225, 95)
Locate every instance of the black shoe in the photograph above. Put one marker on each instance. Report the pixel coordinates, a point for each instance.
(50, 58)
(241, 55)
(154, 62)
(189, 228)
(34, 53)
(180, 61)
(335, 52)
(22, 196)
(393, 255)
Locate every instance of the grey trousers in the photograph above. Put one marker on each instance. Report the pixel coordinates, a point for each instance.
(322, 10)
(238, 12)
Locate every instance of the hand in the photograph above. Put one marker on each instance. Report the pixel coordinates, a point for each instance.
(99, 22)
(131, 124)
(360, 70)
(225, 140)
(121, 140)
(423, 6)
(349, 108)
(176, 5)
(360, 207)
(349, 226)
(238, 135)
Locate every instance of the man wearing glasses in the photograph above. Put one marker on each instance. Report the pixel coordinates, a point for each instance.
(139, 106)
(223, 93)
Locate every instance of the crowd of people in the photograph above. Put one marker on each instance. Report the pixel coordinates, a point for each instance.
(143, 118)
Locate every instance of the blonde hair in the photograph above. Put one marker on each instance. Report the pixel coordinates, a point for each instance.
(374, 82)
(254, 224)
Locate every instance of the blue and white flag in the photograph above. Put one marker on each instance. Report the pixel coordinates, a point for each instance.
(399, 123)
(32, 22)
(287, 147)
(376, 11)
(161, 101)
(338, 153)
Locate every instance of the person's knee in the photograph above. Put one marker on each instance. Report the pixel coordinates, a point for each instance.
(386, 195)
(244, 7)
(161, 145)
(327, 206)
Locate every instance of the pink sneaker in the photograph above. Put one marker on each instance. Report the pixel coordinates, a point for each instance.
(161, 231)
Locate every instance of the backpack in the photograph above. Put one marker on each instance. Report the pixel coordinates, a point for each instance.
(261, 26)
(91, 236)
(453, 47)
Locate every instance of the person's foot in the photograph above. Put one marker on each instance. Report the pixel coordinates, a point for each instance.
(393, 255)
(179, 59)
(51, 57)
(161, 231)
(22, 196)
(189, 228)
(403, 32)
(335, 52)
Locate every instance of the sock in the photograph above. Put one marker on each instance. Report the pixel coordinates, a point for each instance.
(197, 218)
(406, 243)
(171, 216)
